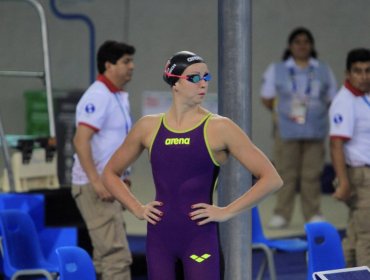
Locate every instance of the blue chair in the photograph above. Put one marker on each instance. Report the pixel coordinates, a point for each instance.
(22, 254)
(269, 246)
(33, 204)
(137, 244)
(50, 237)
(74, 264)
(53, 238)
(325, 250)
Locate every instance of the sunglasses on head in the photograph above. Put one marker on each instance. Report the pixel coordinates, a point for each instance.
(193, 78)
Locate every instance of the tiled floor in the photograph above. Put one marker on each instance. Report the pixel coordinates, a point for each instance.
(334, 212)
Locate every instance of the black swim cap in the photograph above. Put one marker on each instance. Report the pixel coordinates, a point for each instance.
(177, 64)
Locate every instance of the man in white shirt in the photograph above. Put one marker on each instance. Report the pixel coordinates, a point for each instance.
(103, 122)
(350, 152)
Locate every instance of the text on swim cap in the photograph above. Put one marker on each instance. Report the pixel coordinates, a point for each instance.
(171, 69)
(192, 58)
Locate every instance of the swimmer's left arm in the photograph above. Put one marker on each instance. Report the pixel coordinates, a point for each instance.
(238, 144)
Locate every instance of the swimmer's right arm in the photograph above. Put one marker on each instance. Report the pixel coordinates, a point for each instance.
(137, 140)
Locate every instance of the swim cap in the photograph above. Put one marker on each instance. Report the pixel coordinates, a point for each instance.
(177, 64)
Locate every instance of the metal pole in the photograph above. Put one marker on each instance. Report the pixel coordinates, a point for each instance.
(30, 74)
(45, 49)
(23, 74)
(46, 76)
(8, 164)
(235, 102)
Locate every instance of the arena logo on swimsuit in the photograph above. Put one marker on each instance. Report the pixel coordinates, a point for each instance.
(201, 258)
(177, 141)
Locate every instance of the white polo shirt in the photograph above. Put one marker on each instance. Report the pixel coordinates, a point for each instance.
(350, 120)
(106, 110)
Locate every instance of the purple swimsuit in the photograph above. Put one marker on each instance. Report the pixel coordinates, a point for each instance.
(184, 174)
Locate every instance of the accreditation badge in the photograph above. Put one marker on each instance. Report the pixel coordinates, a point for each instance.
(298, 110)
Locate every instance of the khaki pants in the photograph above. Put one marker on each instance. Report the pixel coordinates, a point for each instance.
(356, 244)
(299, 162)
(105, 224)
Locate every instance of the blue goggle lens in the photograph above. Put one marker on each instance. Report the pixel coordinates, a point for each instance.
(196, 78)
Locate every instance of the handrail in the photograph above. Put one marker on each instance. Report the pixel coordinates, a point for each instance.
(47, 80)
(25, 74)
(45, 47)
(46, 75)
(8, 166)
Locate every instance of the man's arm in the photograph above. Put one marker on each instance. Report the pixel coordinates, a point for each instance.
(82, 144)
(343, 191)
(268, 90)
(268, 103)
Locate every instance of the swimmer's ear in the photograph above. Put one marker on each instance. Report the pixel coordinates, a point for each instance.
(175, 86)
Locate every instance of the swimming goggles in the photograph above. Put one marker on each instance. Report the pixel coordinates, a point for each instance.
(193, 78)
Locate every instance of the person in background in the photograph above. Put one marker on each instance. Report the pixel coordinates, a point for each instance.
(298, 90)
(103, 121)
(350, 152)
(186, 146)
